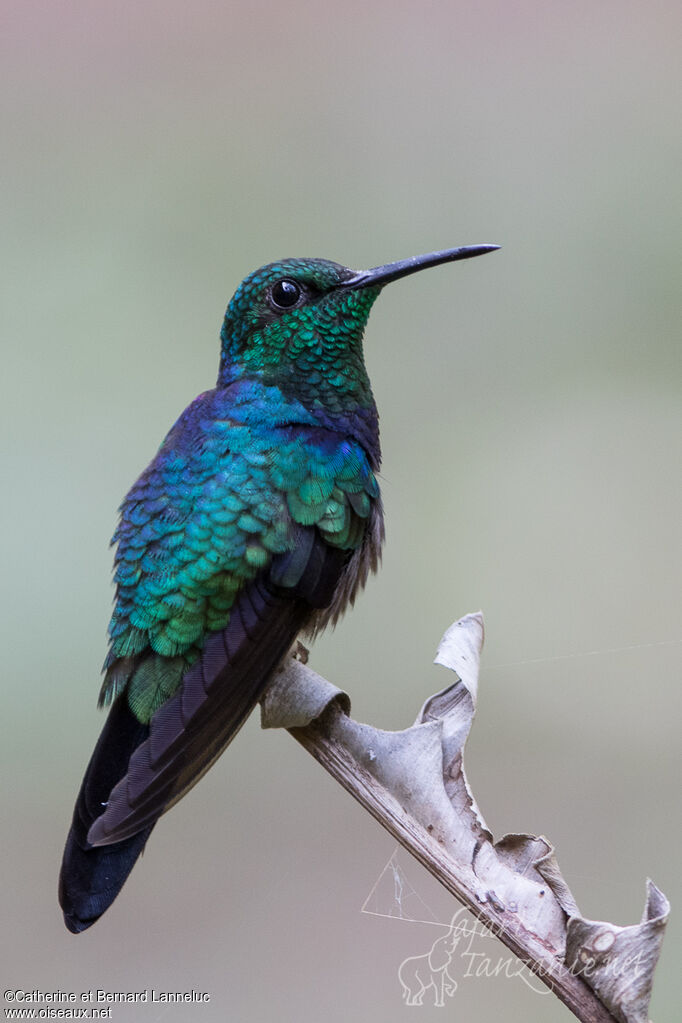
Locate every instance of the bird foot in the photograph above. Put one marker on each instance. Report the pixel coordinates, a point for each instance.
(300, 652)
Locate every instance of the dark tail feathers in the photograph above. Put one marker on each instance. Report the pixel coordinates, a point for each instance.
(91, 877)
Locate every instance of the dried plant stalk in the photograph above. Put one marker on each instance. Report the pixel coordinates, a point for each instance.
(413, 783)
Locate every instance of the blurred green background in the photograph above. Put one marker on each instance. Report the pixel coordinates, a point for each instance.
(153, 154)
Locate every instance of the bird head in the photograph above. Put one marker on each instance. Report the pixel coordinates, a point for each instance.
(298, 324)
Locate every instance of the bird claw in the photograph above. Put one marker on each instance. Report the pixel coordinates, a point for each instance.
(300, 652)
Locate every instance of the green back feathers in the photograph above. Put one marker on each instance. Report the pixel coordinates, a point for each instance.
(235, 495)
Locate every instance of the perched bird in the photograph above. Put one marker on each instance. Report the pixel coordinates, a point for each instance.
(259, 517)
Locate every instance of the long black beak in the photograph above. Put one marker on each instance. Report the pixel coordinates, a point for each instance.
(380, 275)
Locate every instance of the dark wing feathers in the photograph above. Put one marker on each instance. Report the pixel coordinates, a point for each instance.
(192, 729)
(137, 771)
(287, 569)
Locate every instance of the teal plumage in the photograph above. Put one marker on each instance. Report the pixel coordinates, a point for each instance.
(241, 468)
(260, 517)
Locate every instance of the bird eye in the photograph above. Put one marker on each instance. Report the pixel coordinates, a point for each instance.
(285, 294)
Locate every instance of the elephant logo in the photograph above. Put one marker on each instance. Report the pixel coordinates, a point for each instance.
(430, 970)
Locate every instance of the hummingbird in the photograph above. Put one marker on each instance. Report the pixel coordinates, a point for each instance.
(260, 518)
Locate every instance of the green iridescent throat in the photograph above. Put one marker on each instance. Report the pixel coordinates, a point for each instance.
(313, 352)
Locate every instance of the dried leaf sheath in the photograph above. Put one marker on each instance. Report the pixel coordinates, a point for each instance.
(413, 782)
